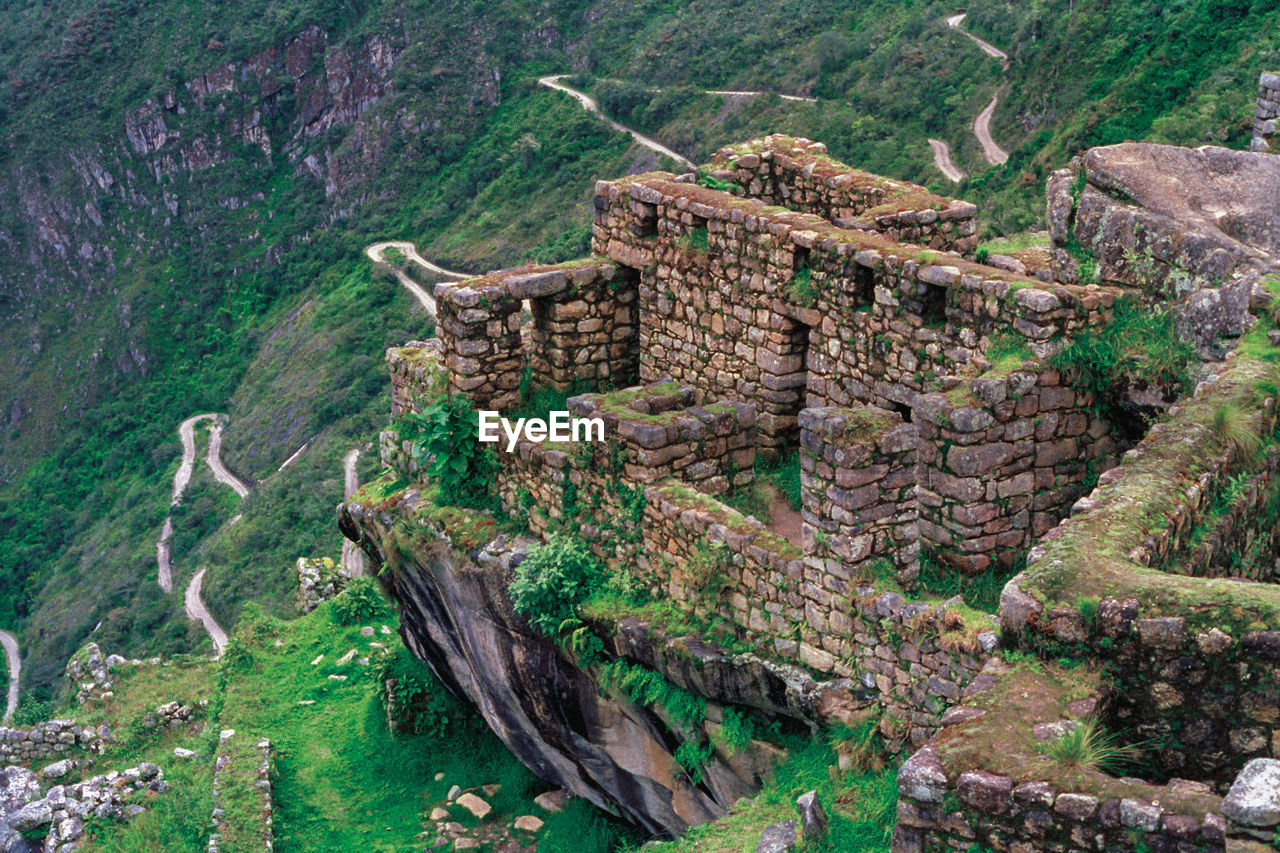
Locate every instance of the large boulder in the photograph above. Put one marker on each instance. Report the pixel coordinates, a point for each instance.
(1196, 226)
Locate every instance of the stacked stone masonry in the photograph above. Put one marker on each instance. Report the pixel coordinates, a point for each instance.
(744, 300)
(1001, 461)
(1267, 111)
(858, 484)
(582, 329)
(49, 740)
(794, 310)
(798, 174)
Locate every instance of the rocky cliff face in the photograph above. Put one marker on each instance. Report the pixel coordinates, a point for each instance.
(553, 715)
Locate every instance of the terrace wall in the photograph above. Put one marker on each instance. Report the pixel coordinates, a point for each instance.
(1193, 662)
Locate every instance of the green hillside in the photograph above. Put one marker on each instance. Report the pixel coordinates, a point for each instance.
(242, 288)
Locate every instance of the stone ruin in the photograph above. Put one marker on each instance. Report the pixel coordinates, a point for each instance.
(780, 301)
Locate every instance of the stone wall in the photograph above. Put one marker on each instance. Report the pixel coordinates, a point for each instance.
(1002, 458)
(1193, 662)
(858, 485)
(651, 433)
(918, 656)
(319, 579)
(245, 771)
(798, 174)
(744, 301)
(583, 329)
(416, 374)
(1267, 111)
(984, 781)
(49, 740)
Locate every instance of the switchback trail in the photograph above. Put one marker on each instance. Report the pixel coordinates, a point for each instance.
(10, 644)
(193, 604)
(352, 556)
(196, 611)
(942, 159)
(590, 105)
(375, 252)
(982, 124)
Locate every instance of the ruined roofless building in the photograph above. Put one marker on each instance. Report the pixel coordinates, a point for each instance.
(784, 302)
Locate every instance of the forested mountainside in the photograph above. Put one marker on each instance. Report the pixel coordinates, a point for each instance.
(187, 189)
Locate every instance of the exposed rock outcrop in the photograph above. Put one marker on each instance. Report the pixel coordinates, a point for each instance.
(456, 616)
(1197, 226)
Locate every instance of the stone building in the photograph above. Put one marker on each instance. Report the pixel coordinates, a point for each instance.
(782, 303)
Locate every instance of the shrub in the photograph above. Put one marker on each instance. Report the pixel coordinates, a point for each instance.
(447, 445)
(418, 703)
(1139, 347)
(1089, 746)
(359, 602)
(553, 580)
(801, 288)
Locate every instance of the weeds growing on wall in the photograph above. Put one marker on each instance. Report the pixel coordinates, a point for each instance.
(1140, 347)
(980, 591)
(446, 444)
(1231, 424)
(553, 580)
(1088, 745)
(801, 287)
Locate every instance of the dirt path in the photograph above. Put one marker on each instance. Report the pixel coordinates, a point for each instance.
(982, 129)
(10, 644)
(214, 458)
(589, 104)
(352, 557)
(942, 159)
(192, 602)
(982, 124)
(407, 249)
(194, 606)
(785, 521)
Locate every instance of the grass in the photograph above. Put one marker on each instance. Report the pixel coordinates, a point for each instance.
(861, 801)
(1235, 429)
(980, 591)
(342, 781)
(1088, 745)
(1140, 347)
(801, 287)
(775, 480)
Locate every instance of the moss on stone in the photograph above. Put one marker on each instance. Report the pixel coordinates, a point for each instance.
(1090, 559)
(1002, 742)
(685, 497)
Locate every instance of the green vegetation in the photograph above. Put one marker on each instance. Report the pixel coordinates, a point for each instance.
(801, 288)
(980, 591)
(1088, 745)
(447, 445)
(359, 603)
(1235, 430)
(1139, 348)
(861, 801)
(553, 580)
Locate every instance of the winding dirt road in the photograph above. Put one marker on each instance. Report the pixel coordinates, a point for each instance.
(982, 124)
(352, 557)
(942, 159)
(590, 105)
(193, 604)
(375, 252)
(10, 644)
